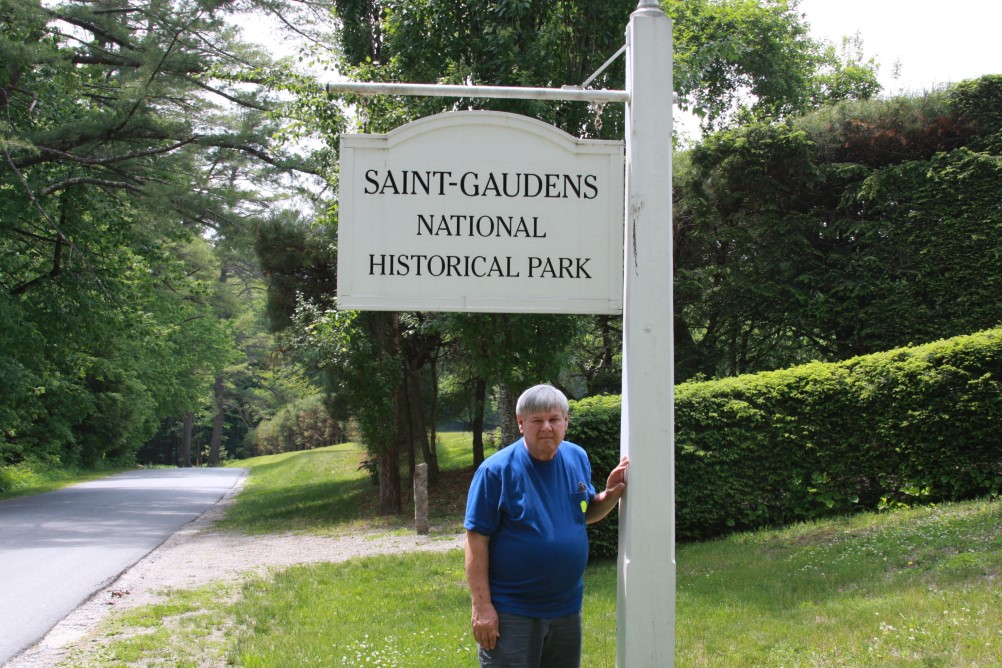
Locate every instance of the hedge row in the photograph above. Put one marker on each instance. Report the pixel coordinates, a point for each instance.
(913, 424)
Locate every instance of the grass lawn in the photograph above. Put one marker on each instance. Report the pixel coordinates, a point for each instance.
(325, 491)
(30, 478)
(910, 588)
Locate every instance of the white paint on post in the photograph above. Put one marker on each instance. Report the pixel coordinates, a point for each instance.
(645, 634)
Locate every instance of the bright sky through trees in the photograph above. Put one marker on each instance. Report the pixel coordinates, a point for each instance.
(936, 42)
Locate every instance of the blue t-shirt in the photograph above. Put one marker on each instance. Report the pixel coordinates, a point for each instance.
(534, 513)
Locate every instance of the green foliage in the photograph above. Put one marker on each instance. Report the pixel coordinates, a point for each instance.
(360, 357)
(859, 228)
(595, 426)
(978, 103)
(508, 43)
(21, 375)
(514, 349)
(745, 248)
(126, 141)
(754, 60)
(910, 425)
(299, 264)
(301, 425)
(846, 74)
(931, 230)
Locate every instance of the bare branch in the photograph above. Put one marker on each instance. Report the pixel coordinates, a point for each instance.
(82, 180)
(117, 158)
(235, 100)
(57, 267)
(95, 30)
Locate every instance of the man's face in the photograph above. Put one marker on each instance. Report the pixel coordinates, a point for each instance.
(544, 432)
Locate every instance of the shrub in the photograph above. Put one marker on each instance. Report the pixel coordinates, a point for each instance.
(821, 439)
(302, 425)
(595, 426)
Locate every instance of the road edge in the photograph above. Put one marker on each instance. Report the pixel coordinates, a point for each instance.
(58, 642)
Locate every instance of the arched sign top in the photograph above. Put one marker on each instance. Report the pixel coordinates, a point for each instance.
(481, 211)
(498, 122)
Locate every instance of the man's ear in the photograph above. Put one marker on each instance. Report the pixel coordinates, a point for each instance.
(519, 419)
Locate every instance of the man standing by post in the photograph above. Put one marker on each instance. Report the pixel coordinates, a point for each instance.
(526, 542)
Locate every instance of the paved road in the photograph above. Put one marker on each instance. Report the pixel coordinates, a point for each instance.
(58, 549)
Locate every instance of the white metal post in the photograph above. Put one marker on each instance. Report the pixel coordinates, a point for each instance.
(645, 634)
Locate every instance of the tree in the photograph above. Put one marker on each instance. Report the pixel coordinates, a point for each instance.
(510, 351)
(121, 141)
(855, 229)
(359, 355)
(754, 60)
(846, 74)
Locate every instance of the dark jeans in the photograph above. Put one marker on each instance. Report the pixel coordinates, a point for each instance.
(535, 643)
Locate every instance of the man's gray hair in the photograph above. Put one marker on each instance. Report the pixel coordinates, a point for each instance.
(540, 399)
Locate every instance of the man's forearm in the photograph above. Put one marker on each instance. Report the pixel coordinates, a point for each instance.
(600, 506)
(484, 617)
(477, 562)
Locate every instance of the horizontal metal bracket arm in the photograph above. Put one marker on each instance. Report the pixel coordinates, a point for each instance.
(571, 94)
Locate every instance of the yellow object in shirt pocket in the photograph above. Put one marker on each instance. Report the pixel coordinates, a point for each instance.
(580, 499)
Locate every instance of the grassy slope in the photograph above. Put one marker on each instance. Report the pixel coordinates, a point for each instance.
(910, 588)
(325, 491)
(30, 478)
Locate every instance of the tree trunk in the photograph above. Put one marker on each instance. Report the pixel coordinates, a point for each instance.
(389, 467)
(184, 456)
(420, 428)
(433, 412)
(388, 329)
(408, 426)
(217, 423)
(479, 402)
(506, 413)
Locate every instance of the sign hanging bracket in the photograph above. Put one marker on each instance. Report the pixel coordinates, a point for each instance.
(599, 71)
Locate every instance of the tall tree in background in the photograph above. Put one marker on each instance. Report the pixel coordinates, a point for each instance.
(125, 134)
(737, 61)
(855, 229)
(508, 351)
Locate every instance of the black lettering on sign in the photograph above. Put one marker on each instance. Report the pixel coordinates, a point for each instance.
(442, 266)
(559, 267)
(463, 225)
(509, 185)
(405, 182)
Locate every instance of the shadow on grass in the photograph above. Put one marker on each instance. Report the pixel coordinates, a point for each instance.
(315, 490)
(324, 490)
(317, 505)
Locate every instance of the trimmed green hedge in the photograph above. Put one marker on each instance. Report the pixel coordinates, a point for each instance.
(913, 424)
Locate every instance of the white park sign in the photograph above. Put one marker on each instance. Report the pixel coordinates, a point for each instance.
(481, 211)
